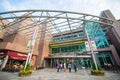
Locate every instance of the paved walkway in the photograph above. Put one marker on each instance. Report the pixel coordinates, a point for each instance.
(51, 74)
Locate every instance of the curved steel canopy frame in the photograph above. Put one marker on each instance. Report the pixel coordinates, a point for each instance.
(57, 21)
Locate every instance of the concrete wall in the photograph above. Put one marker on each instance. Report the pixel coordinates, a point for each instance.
(114, 33)
(15, 42)
(115, 55)
(18, 41)
(2, 26)
(43, 46)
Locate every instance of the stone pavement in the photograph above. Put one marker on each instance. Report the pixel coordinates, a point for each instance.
(51, 74)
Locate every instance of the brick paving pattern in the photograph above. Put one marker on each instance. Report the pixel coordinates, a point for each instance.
(52, 74)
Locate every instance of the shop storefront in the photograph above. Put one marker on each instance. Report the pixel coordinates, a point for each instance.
(10, 58)
(105, 58)
(81, 61)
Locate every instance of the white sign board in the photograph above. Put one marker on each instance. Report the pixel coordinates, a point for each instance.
(87, 46)
(94, 48)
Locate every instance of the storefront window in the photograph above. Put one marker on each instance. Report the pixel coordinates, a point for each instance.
(73, 48)
(105, 58)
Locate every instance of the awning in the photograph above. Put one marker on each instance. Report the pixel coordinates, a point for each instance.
(17, 55)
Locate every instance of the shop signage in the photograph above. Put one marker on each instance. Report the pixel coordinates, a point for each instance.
(16, 55)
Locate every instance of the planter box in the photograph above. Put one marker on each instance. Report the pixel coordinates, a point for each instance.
(23, 75)
(98, 73)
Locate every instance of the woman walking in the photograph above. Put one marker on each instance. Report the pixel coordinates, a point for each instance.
(58, 67)
(64, 67)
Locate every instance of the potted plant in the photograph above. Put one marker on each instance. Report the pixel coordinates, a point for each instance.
(98, 72)
(26, 72)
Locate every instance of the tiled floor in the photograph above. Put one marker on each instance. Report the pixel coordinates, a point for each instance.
(51, 74)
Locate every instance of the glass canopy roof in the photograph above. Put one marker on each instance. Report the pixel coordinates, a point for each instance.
(52, 22)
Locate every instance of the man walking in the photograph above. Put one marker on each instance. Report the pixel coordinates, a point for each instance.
(69, 67)
(75, 67)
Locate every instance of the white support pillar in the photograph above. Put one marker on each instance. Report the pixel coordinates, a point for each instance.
(31, 45)
(90, 45)
(33, 41)
(27, 61)
(4, 62)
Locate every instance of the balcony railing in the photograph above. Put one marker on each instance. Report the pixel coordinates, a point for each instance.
(68, 40)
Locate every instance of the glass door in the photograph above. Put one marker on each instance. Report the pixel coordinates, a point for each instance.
(105, 58)
(83, 62)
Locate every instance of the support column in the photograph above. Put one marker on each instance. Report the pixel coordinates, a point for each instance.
(96, 58)
(115, 55)
(44, 63)
(51, 63)
(91, 50)
(5, 62)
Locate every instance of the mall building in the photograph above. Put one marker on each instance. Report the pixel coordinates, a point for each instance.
(70, 46)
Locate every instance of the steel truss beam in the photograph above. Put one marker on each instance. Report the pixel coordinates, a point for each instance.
(59, 21)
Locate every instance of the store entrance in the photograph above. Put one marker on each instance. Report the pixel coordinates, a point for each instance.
(81, 62)
(12, 64)
(105, 58)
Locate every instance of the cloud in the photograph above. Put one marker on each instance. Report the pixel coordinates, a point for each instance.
(7, 5)
(95, 6)
(86, 6)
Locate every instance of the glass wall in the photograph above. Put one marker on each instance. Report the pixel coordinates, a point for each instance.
(70, 36)
(96, 34)
(105, 58)
(69, 48)
(83, 62)
(80, 62)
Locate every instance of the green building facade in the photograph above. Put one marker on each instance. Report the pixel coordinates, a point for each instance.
(74, 42)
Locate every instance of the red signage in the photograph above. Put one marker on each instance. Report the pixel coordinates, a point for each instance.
(16, 55)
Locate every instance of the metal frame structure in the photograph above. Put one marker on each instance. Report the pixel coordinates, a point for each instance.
(59, 22)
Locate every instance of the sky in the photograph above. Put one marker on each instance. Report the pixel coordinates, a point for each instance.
(93, 7)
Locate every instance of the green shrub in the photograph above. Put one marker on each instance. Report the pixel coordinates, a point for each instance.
(99, 67)
(94, 68)
(25, 72)
(27, 67)
(98, 72)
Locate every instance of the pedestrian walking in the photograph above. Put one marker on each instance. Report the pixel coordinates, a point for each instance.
(61, 67)
(69, 67)
(64, 67)
(75, 66)
(58, 67)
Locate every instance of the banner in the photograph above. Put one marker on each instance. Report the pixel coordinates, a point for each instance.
(87, 46)
(94, 48)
